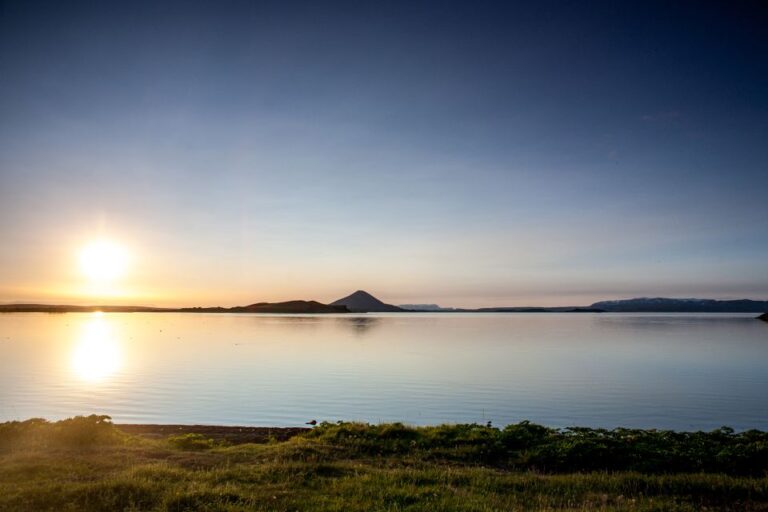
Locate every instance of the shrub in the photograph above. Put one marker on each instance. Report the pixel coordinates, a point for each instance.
(529, 446)
(191, 442)
(77, 432)
(13, 433)
(83, 431)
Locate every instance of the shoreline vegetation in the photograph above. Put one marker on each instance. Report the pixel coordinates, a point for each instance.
(90, 464)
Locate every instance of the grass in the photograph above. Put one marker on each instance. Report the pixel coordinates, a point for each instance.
(85, 464)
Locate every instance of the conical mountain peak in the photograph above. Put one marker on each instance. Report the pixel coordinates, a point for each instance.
(363, 302)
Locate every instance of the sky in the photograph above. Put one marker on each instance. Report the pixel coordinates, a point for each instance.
(460, 153)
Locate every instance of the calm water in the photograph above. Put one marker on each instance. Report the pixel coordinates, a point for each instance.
(681, 371)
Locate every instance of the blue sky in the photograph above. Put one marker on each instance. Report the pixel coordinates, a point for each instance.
(468, 153)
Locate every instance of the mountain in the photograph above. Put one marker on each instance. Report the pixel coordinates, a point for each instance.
(363, 302)
(662, 304)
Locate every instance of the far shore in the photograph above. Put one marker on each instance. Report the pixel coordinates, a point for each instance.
(372, 305)
(277, 309)
(272, 308)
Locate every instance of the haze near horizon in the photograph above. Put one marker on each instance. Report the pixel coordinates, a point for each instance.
(500, 154)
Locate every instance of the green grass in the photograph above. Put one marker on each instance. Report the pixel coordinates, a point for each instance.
(85, 464)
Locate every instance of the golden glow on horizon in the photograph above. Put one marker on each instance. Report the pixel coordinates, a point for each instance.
(97, 353)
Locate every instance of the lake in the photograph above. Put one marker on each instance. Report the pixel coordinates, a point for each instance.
(678, 371)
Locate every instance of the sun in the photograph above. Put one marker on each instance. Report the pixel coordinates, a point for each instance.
(103, 261)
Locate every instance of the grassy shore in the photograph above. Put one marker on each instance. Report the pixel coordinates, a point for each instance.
(88, 464)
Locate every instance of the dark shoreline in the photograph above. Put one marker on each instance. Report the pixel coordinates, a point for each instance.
(273, 309)
(230, 434)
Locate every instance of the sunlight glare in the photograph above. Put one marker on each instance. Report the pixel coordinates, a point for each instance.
(97, 353)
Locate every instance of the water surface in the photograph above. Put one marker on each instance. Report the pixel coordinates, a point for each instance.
(680, 371)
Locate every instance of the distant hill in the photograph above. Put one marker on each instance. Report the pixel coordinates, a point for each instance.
(291, 306)
(666, 305)
(420, 307)
(363, 302)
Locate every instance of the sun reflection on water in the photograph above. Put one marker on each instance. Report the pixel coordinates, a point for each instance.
(97, 354)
